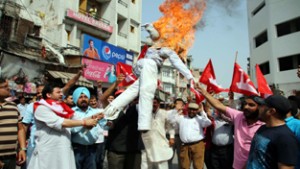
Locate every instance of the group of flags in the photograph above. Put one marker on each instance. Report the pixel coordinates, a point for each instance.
(241, 82)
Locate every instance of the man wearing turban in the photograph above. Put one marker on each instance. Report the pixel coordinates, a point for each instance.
(83, 139)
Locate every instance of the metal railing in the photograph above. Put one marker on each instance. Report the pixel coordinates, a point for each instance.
(85, 12)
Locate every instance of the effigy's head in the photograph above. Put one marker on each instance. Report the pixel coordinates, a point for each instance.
(176, 28)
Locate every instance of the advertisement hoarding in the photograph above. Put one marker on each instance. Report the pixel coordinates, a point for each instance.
(97, 49)
(97, 70)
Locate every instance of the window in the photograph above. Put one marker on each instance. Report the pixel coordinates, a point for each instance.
(69, 35)
(258, 8)
(132, 29)
(265, 68)
(166, 73)
(167, 88)
(261, 39)
(288, 27)
(289, 62)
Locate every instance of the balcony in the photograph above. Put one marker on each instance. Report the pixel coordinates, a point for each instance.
(87, 21)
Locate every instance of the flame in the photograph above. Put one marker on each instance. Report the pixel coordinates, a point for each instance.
(177, 26)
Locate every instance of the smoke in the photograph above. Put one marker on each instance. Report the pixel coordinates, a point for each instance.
(221, 9)
(229, 7)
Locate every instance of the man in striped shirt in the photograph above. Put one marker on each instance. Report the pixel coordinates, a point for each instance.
(11, 131)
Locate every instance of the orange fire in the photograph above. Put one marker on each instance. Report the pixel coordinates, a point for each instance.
(177, 26)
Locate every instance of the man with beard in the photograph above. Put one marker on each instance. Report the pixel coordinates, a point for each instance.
(192, 136)
(274, 144)
(245, 123)
(84, 139)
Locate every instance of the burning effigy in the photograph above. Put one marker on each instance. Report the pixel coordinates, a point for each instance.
(176, 28)
(172, 36)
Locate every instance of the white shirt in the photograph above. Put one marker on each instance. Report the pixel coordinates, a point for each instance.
(161, 122)
(191, 129)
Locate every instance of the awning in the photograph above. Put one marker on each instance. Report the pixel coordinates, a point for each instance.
(65, 77)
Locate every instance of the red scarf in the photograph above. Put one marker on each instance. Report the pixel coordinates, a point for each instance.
(59, 108)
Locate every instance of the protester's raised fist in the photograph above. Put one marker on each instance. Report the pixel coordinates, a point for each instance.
(120, 78)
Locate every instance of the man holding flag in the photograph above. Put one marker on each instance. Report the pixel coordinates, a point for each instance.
(246, 123)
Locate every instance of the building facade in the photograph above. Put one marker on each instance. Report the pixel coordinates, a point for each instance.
(35, 35)
(274, 34)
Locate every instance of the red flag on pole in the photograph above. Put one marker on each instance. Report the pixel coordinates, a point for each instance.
(262, 84)
(208, 78)
(143, 52)
(126, 70)
(241, 82)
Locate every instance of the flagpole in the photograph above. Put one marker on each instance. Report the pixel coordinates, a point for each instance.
(236, 55)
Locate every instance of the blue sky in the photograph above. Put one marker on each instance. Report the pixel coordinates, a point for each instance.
(225, 32)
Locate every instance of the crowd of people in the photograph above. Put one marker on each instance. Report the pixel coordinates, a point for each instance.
(64, 129)
(69, 130)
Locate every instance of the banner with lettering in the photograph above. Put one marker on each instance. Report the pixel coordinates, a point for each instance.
(96, 70)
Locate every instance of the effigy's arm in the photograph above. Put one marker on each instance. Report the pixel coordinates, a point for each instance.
(176, 62)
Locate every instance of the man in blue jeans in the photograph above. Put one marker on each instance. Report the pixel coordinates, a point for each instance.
(83, 139)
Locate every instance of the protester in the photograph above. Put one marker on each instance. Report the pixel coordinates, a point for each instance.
(104, 133)
(157, 147)
(178, 109)
(12, 133)
(29, 124)
(83, 140)
(222, 142)
(245, 123)
(68, 99)
(52, 137)
(22, 105)
(123, 141)
(274, 145)
(294, 124)
(192, 136)
(93, 102)
(28, 119)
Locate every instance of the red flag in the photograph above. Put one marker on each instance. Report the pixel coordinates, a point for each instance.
(143, 52)
(241, 82)
(208, 78)
(159, 85)
(126, 70)
(262, 84)
(199, 97)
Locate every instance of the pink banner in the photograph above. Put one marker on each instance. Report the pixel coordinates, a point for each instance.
(96, 70)
(89, 20)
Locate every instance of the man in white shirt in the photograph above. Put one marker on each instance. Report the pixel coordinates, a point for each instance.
(157, 147)
(192, 136)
